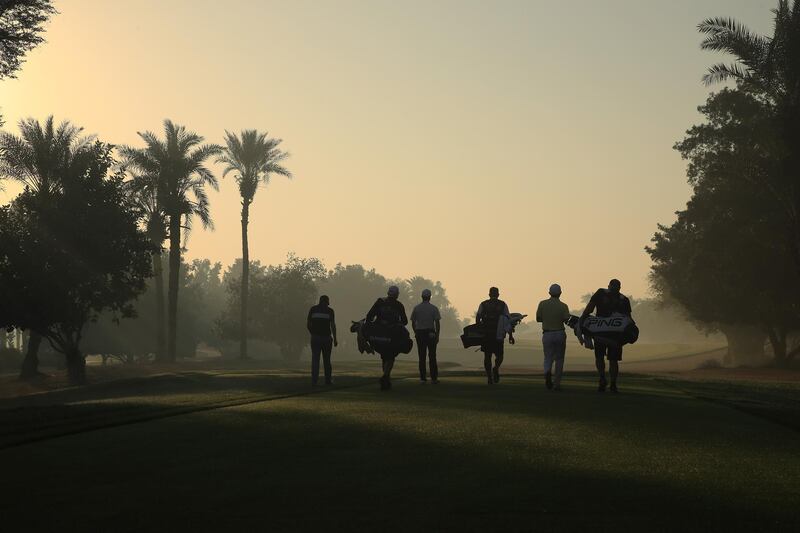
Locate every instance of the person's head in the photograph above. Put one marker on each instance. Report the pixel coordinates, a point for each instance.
(393, 292)
(614, 286)
(494, 292)
(324, 300)
(426, 295)
(555, 290)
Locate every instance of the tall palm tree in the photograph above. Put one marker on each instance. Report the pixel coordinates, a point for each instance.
(253, 158)
(178, 163)
(145, 189)
(38, 158)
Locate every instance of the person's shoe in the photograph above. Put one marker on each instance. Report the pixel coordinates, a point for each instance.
(490, 379)
(384, 385)
(548, 380)
(557, 388)
(601, 387)
(435, 381)
(388, 383)
(496, 374)
(328, 382)
(423, 381)
(613, 388)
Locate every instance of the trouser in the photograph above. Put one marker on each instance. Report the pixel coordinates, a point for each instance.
(489, 348)
(321, 344)
(554, 344)
(614, 354)
(426, 346)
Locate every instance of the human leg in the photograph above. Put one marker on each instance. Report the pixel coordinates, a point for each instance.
(547, 348)
(316, 349)
(432, 361)
(327, 349)
(614, 357)
(498, 360)
(559, 351)
(487, 362)
(422, 348)
(600, 351)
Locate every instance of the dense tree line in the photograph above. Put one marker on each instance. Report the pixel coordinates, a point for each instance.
(732, 258)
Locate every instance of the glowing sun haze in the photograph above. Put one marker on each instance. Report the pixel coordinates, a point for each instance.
(501, 143)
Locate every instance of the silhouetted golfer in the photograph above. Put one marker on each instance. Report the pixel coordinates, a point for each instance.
(553, 313)
(604, 303)
(389, 314)
(426, 322)
(321, 324)
(493, 316)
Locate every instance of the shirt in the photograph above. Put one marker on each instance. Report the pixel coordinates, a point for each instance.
(320, 318)
(388, 311)
(503, 321)
(552, 313)
(607, 303)
(425, 315)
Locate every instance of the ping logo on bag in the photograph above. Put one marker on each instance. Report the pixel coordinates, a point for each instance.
(611, 323)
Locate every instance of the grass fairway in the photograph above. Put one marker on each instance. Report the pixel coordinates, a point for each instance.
(460, 456)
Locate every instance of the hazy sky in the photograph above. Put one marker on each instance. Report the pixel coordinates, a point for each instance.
(478, 143)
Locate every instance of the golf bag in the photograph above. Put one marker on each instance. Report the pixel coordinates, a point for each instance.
(381, 338)
(615, 330)
(477, 335)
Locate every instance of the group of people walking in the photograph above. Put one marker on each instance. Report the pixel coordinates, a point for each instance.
(493, 317)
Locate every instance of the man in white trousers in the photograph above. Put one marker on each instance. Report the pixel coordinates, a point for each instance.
(553, 313)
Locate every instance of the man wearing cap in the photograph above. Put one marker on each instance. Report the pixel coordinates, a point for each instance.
(426, 322)
(553, 313)
(388, 312)
(494, 317)
(607, 302)
(321, 325)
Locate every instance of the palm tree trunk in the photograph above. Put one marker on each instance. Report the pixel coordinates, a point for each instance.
(245, 279)
(174, 278)
(30, 365)
(161, 334)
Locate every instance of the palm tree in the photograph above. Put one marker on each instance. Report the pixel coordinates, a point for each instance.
(177, 161)
(145, 188)
(38, 158)
(768, 66)
(253, 158)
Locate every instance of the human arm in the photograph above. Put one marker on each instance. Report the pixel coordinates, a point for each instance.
(539, 313)
(333, 328)
(403, 317)
(308, 321)
(590, 307)
(372, 314)
(437, 323)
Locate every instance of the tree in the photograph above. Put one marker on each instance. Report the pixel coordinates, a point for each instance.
(451, 324)
(178, 162)
(66, 260)
(39, 158)
(202, 297)
(720, 260)
(280, 297)
(768, 66)
(145, 190)
(21, 27)
(253, 158)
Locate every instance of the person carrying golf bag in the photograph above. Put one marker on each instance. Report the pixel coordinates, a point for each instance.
(605, 303)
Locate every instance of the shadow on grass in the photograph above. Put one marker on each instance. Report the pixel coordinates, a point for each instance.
(340, 462)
